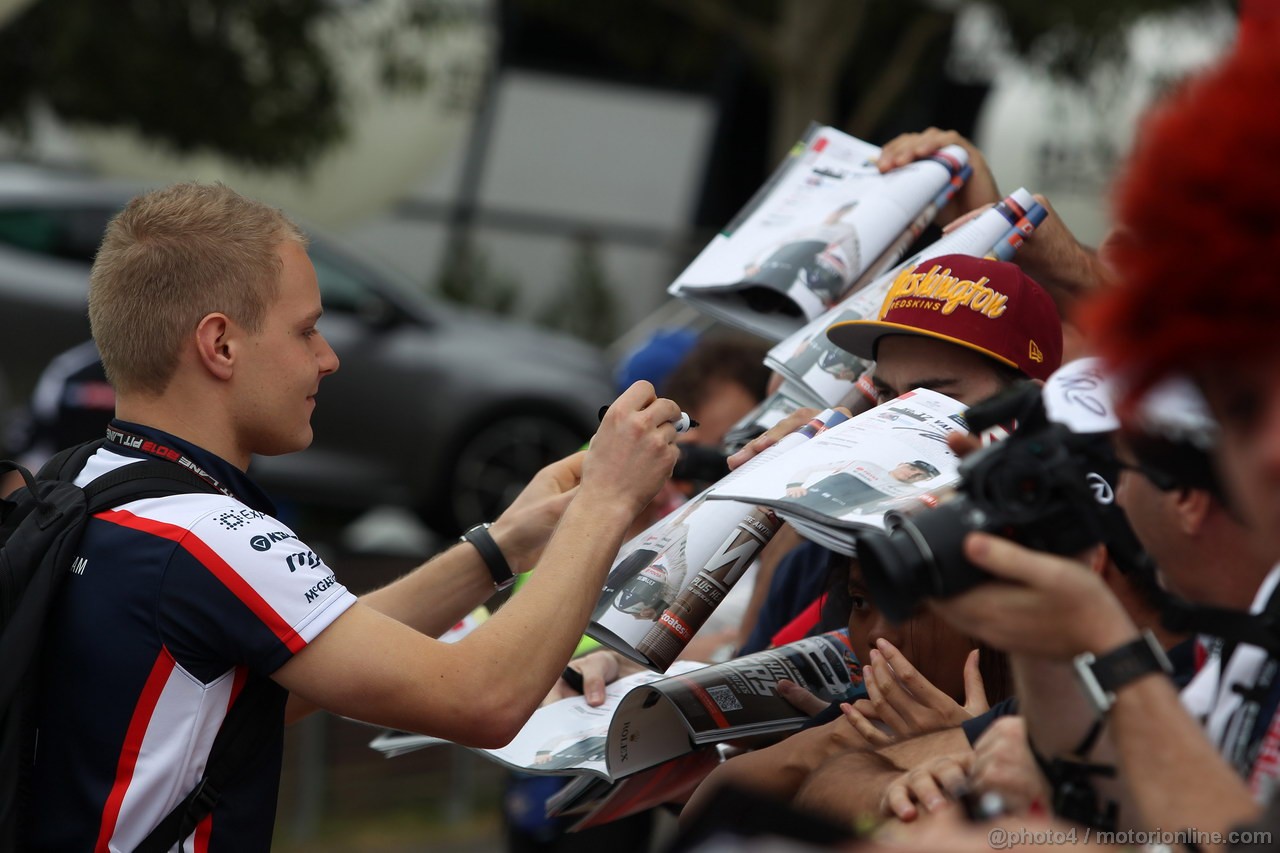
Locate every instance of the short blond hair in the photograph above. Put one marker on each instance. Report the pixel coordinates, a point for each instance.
(169, 259)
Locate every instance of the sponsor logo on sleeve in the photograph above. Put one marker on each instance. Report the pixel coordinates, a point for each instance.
(264, 541)
(319, 588)
(302, 560)
(234, 519)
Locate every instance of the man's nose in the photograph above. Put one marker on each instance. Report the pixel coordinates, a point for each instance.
(327, 358)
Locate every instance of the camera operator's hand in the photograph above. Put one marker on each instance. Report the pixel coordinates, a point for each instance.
(934, 784)
(1002, 762)
(1049, 606)
(908, 703)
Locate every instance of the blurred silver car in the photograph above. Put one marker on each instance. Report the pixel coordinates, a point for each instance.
(443, 410)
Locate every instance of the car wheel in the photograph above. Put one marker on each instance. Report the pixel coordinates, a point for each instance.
(495, 463)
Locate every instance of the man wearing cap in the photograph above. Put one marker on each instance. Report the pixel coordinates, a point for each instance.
(958, 325)
(962, 326)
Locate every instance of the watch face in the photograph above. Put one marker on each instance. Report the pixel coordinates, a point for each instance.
(1102, 677)
(1100, 699)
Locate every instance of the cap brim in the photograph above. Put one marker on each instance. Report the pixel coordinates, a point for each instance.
(860, 337)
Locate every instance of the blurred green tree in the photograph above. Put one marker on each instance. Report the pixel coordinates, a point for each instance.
(585, 306)
(468, 277)
(848, 63)
(254, 80)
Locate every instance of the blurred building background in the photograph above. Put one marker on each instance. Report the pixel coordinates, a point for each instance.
(558, 161)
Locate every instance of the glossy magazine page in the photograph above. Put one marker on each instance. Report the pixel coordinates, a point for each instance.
(825, 220)
(666, 583)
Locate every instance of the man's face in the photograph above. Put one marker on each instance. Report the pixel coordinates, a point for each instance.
(1245, 401)
(906, 362)
(1152, 514)
(279, 370)
(905, 472)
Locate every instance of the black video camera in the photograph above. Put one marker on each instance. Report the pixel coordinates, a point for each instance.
(1044, 487)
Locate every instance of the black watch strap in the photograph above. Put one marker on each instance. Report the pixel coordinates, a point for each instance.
(499, 568)
(1103, 676)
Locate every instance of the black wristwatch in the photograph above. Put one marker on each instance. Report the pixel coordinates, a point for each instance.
(1102, 676)
(499, 569)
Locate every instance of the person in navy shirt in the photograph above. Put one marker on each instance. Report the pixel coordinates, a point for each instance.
(204, 306)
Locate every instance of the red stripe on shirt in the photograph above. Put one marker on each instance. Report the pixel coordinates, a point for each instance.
(209, 558)
(132, 748)
(203, 830)
(237, 684)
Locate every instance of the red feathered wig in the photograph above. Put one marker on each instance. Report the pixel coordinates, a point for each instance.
(1199, 224)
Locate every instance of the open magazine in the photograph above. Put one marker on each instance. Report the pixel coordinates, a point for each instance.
(667, 581)
(648, 720)
(599, 801)
(820, 373)
(894, 456)
(826, 222)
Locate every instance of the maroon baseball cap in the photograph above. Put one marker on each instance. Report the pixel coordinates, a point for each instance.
(991, 307)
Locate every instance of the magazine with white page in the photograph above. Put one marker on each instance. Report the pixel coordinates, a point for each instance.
(809, 361)
(647, 718)
(667, 581)
(824, 218)
(890, 457)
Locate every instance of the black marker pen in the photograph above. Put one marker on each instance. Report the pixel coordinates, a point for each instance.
(684, 423)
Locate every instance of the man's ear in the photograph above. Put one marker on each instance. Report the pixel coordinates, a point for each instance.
(1098, 560)
(1191, 508)
(214, 345)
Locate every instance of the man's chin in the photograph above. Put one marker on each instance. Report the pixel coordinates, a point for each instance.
(282, 446)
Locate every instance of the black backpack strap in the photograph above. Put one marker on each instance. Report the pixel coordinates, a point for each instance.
(150, 478)
(242, 737)
(238, 740)
(66, 464)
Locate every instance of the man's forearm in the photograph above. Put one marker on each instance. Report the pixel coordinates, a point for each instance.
(779, 770)
(848, 787)
(1175, 776)
(912, 752)
(1170, 775)
(1057, 713)
(523, 648)
(434, 596)
(851, 785)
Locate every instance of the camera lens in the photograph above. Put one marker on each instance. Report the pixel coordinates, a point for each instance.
(917, 557)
